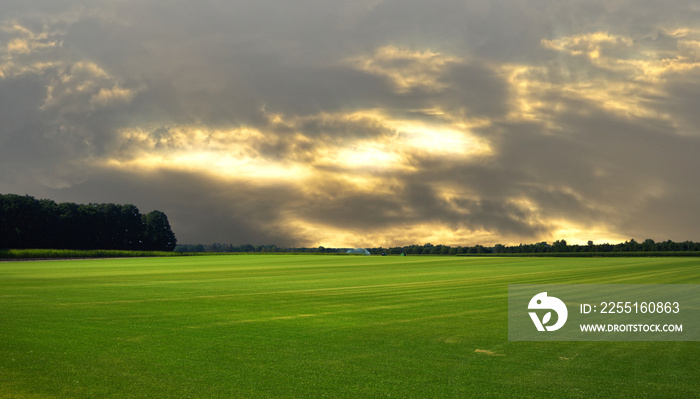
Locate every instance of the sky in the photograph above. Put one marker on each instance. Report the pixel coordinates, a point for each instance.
(362, 122)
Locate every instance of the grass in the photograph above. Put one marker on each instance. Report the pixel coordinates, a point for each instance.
(316, 326)
(37, 254)
(78, 253)
(620, 254)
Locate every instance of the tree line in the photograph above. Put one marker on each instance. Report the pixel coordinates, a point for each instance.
(26, 222)
(221, 248)
(557, 247)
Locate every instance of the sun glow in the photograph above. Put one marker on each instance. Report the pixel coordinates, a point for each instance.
(368, 156)
(439, 140)
(420, 233)
(575, 234)
(216, 165)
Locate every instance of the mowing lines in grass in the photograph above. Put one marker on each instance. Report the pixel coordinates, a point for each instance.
(314, 326)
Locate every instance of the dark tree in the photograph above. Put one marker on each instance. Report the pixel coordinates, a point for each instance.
(158, 235)
(29, 223)
(21, 221)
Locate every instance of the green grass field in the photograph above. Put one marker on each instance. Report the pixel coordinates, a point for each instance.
(317, 326)
(9, 254)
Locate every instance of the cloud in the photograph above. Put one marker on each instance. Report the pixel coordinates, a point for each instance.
(57, 122)
(406, 69)
(354, 123)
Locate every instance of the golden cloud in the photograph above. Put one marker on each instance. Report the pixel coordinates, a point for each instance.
(114, 95)
(26, 41)
(617, 72)
(22, 43)
(635, 60)
(75, 85)
(385, 145)
(84, 86)
(406, 69)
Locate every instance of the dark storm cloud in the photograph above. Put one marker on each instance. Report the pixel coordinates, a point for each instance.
(295, 122)
(475, 90)
(682, 101)
(200, 209)
(601, 167)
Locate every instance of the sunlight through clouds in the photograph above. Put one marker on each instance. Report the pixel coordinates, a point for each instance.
(396, 235)
(361, 123)
(440, 141)
(241, 150)
(219, 166)
(406, 69)
(619, 73)
(575, 234)
(637, 60)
